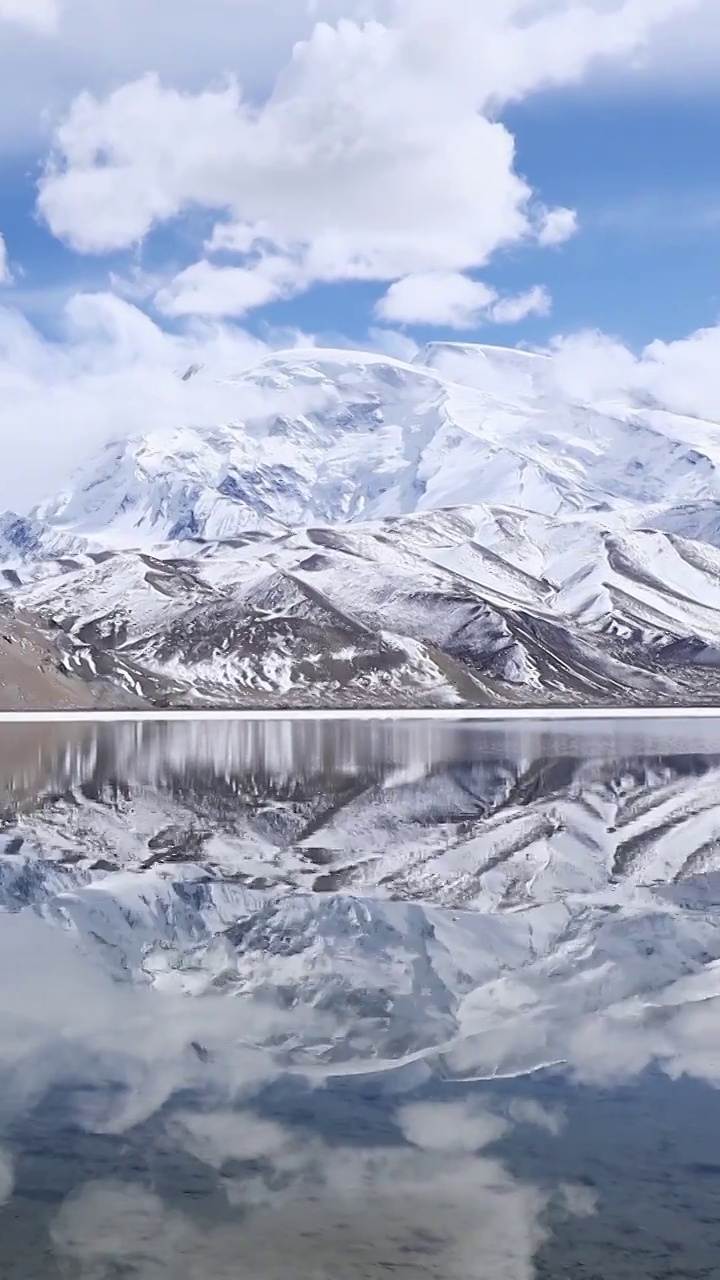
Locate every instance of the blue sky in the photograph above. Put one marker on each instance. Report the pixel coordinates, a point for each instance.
(231, 176)
(638, 167)
(643, 173)
(646, 261)
(633, 156)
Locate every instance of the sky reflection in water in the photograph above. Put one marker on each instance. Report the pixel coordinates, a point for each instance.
(326, 1001)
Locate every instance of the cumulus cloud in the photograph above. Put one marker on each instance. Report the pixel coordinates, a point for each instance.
(190, 45)
(393, 342)
(579, 1201)
(216, 1137)
(376, 155)
(110, 373)
(343, 166)
(359, 140)
(534, 302)
(685, 50)
(302, 1197)
(441, 298)
(557, 226)
(680, 376)
(96, 46)
(66, 1019)
(204, 289)
(441, 1208)
(529, 1111)
(455, 301)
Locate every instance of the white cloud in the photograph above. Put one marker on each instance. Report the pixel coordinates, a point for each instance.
(191, 45)
(40, 16)
(339, 140)
(5, 274)
(208, 290)
(375, 156)
(66, 1015)
(511, 310)
(349, 187)
(216, 1137)
(681, 375)
(579, 1201)
(393, 343)
(502, 53)
(99, 45)
(590, 366)
(454, 301)
(111, 373)
(685, 51)
(557, 226)
(311, 1200)
(447, 298)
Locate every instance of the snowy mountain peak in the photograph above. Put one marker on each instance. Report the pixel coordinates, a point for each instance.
(331, 436)
(505, 372)
(354, 530)
(433, 353)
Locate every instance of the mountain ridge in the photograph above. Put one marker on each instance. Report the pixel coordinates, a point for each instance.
(467, 915)
(320, 555)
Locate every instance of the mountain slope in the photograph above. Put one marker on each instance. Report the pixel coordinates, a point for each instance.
(379, 438)
(37, 675)
(452, 532)
(474, 915)
(476, 606)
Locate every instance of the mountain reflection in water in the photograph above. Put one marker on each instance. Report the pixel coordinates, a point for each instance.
(326, 1000)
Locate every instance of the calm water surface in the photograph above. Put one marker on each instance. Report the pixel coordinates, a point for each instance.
(335, 1000)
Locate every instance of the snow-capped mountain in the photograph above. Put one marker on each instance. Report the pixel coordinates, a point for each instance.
(453, 531)
(386, 438)
(480, 605)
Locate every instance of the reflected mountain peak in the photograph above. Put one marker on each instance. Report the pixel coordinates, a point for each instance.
(363, 981)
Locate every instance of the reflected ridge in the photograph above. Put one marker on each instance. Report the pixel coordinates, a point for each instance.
(363, 974)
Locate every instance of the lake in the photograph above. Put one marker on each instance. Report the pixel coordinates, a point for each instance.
(350, 999)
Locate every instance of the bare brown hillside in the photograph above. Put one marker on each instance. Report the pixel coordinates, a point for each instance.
(32, 677)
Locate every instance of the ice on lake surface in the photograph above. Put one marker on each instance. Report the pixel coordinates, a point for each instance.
(334, 1000)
